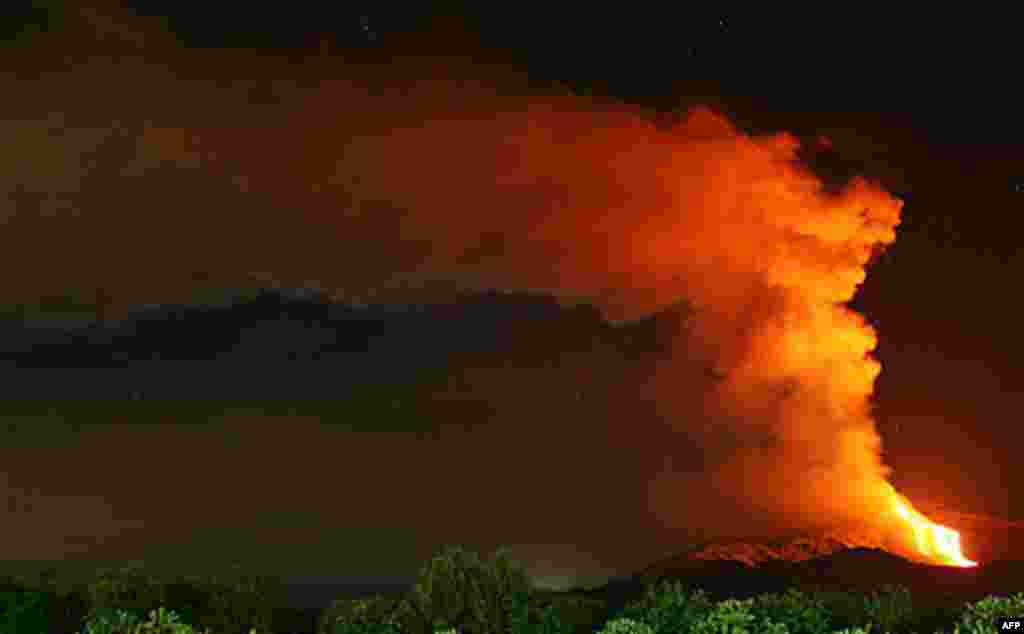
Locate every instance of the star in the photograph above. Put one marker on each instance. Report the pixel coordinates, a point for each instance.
(364, 22)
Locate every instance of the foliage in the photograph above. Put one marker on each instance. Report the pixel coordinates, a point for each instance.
(63, 604)
(160, 622)
(376, 628)
(669, 608)
(108, 621)
(365, 628)
(979, 617)
(735, 617)
(891, 610)
(236, 599)
(673, 608)
(626, 626)
(528, 617)
(458, 593)
(223, 603)
(847, 610)
(22, 611)
(525, 615)
(363, 615)
(974, 627)
(801, 614)
(123, 588)
(457, 589)
(564, 615)
(937, 618)
(192, 600)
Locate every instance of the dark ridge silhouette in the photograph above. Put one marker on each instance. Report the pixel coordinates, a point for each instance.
(725, 569)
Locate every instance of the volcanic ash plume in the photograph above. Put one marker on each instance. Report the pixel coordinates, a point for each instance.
(404, 190)
(435, 181)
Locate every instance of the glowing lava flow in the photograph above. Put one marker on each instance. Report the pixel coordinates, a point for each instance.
(937, 543)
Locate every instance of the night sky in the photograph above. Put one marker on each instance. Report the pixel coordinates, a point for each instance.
(264, 299)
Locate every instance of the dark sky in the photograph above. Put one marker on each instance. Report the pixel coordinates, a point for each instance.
(210, 353)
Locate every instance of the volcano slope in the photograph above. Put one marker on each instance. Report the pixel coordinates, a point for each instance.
(743, 568)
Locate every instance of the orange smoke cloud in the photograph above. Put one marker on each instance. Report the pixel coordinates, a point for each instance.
(596, 202)
(404, 190)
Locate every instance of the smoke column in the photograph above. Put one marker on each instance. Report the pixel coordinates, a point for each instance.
(453, 181)
(380, 190)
